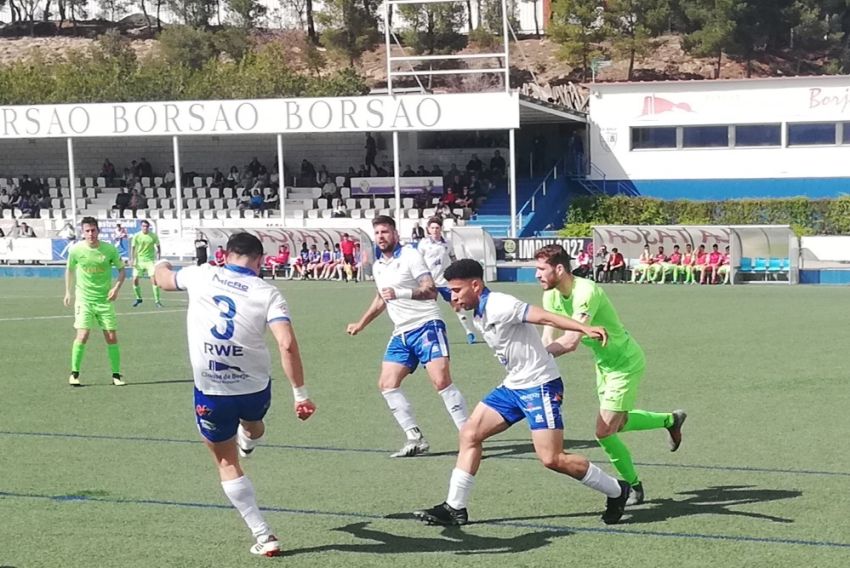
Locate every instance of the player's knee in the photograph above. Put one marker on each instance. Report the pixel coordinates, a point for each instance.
(82, 335)
(550, 460)
(469, 435)
(604, 430)
(442, 382)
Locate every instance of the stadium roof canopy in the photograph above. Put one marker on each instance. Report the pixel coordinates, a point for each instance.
(535, 111)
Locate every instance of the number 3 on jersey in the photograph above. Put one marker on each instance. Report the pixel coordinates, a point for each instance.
(227, 313)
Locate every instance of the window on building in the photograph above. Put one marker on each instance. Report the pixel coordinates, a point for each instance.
(653, 137)
(705, 136)
(811, 133)
(758, 135)
(846, 136)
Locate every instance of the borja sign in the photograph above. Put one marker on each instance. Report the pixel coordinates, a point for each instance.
(478, 111)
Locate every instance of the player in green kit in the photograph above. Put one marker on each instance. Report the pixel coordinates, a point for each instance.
(92, 261)
(144, 252)
(619, 365)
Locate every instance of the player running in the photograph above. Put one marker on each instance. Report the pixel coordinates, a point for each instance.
(532, 390)
(619, 365)
(438, 254)
(144, 251)
(92, 262)
(229, 310)
(406, 291)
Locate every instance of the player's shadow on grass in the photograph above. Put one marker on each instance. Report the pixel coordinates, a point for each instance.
(716, 500)
(452, 540)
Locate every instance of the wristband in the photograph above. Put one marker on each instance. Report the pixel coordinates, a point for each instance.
(403, 294)
(300, 393)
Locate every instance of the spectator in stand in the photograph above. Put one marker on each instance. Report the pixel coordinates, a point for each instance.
(300, 265)
(474, 165)
(453, 172)
(272, 200)
(279, 262)
(145, 168)
(274, 179)
(232, 179)
(363, 172)
(308, 173)
(436, 171)
(257, 202)
(584, 264)
(219, 257)
(709, 275)
(384, 172)
(134, 168)
(616, 266)
(371, 154)
(466, 201)
(25, 205)
(322, 176)
(122, 201)
(445, 211)
(137, 201)
(107, 171)
(408, 172)
(449, 197)
(498, 167)
(329, 189)
(417, 234)
(25, 232)
(421, 171)
(169, 179)
(642, 267)
(601, 262)
(700, 263)
(724, 269)
(340, 210)
(28, 186)
(217, 179)
(201, 248)
(44, 201)
(245, 199)
(5, 200)
(352, 173)
(254, 167)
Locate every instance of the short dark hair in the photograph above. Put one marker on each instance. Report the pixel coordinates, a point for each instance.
(89, 221)
(146, 222)
(464, 269)
(245, 244)
(554, 255)
(383, 220)
(437, 220)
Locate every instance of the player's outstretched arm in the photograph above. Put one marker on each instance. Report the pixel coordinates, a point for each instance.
(540, 316)
(290, 360)
(165, 276)
(375, 309)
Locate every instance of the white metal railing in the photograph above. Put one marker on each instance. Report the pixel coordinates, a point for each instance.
(530, 206)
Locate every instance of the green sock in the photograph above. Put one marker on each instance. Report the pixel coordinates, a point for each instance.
(156, 294)
(77, 352)
(114, 357)
(620, 458)
(644, 420)
(137, 290)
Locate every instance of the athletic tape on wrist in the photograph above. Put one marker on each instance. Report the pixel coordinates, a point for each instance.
(300, 394)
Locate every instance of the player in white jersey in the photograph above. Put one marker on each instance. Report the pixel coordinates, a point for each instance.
(229, 310)
(438, 254)
(532, 390)
(407, 292)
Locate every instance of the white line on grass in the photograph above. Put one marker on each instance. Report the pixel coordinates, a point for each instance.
(71, 315)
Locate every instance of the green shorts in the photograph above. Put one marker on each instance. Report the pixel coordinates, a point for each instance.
(617, 389)
(86, 314)
(143, 268)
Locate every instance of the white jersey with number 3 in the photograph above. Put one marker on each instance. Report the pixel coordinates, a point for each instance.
(229, 311)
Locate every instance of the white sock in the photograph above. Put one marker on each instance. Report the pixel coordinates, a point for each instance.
(245, 442)
(464, 321)
(240, 491)
(455, 404)
(401, 408)
(460, 486)
(597, 479)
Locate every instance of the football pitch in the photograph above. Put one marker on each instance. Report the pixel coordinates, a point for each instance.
(116, 476)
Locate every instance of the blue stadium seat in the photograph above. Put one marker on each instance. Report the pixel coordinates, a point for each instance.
(746, 264)
(775, 265)
(786, 264)
(760, 265)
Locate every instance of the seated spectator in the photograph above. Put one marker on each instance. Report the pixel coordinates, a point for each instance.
(263, 180)
(25, 232)
(363, 172)
(280, 262)
(421, 171)
(5, 200)
(169, 179)
(122, 201)
(445, 211)
(436, 171)
(256, 202)
(232, 179)
(25, 205)
(475, 165)
(308, 173)
(584, 264)
(44, 202)
(498, 165)
(254, 167)
(107, 171)
(219, 257)
(274, 179)
(339, 210)
(383, 172)
(322, 176)
(272, 200)
(408, 172)
(245, 199)
(449, 197)
(417, 234)
(329, 190)
(137, 201)
(453, 172)
(615, 267)
(465, 199)
(601, 260)
(28, 186)
(145, 168)
(217, 179)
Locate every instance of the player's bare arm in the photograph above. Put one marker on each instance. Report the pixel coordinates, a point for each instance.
(427, 290)
(540, 316)
(567, 343)
(290, 360)
(165, 276)
(69, 284)
(375, 309)
(113, 292)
